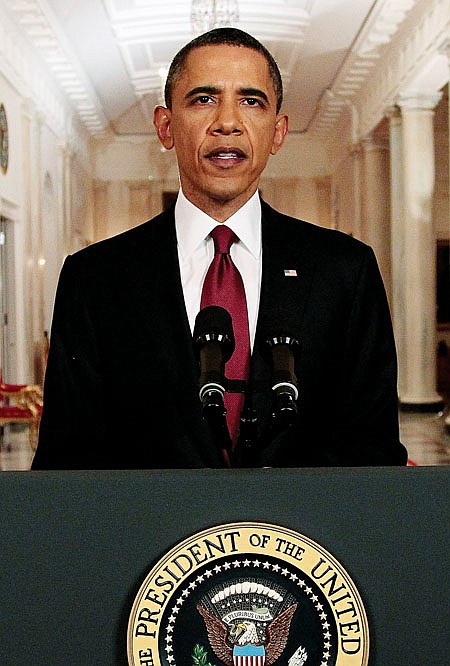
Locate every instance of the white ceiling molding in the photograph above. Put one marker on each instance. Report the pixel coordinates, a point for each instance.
(38, 22)
(416, 61)
(381, 25)
(142, 26)
(385, 20)
(334, 55)
(32, 81)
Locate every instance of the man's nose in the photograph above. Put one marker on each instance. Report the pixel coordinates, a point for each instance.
(228, 120)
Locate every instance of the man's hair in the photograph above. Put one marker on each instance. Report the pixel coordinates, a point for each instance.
(230, 37)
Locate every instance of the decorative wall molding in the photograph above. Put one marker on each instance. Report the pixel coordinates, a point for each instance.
(40, 93)
(394, 47)
(30, 80)
(414, 62)
(362, 62)
(36, 20)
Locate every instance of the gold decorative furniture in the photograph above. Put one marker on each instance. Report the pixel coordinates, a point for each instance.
(21, 403)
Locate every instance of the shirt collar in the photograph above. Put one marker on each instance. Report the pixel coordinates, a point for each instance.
(193, 225)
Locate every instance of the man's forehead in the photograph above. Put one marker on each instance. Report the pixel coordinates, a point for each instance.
(215, 65)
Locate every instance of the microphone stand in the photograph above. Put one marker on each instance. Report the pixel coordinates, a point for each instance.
(248, 435)
(284, 415)
(214, 413)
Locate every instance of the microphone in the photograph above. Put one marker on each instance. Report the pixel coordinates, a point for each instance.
(278, 347)
(213, 345)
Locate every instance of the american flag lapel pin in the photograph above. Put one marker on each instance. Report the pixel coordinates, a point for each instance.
(290, 272)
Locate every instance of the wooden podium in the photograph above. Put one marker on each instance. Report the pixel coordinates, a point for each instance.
(76, 546)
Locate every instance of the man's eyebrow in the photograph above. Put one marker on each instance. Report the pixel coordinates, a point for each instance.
(215, 90)
(202, 90)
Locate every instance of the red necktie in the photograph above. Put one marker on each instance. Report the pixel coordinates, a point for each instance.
(223, 286)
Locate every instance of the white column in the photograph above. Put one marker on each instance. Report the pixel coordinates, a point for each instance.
(376, 205)
(419, 371)
(397, 241)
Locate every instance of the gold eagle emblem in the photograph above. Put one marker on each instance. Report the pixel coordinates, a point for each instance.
(223, 637)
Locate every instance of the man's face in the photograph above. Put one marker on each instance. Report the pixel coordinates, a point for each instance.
(223, 125)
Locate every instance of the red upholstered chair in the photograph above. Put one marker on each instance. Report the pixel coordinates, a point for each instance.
(21, 403)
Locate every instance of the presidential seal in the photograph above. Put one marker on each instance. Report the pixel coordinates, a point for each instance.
(248, 594)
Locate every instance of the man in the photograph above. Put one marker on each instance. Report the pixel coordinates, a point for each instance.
(122, 379)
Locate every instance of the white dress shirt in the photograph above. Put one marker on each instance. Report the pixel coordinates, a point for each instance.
(196, 251)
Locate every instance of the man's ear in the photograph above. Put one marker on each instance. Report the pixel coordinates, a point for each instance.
(281, 129)
(161, 120)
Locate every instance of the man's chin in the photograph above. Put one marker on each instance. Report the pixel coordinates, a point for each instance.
(226, 192)
(220, 194)
(237, 199)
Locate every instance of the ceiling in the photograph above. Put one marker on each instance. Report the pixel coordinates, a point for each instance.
(107, 55)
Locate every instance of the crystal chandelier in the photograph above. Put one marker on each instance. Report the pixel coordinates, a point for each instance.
(209, 14)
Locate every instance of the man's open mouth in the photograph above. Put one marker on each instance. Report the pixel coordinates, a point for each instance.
(228, 155)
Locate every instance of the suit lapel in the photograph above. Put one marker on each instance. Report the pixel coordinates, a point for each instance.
(167, 314)
(288, 267)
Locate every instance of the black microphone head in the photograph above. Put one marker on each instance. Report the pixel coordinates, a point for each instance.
(213, 319)
(277, 330)
(277, 347)
(214, 324)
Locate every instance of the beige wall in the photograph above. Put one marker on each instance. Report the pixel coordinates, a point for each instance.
(441, 216)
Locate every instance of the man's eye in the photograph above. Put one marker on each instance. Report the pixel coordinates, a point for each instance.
(252, 101)
(203, 99)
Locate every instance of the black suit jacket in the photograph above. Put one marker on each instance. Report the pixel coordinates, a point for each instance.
(121, 388)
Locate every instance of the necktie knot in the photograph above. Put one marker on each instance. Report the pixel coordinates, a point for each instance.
(223, 238)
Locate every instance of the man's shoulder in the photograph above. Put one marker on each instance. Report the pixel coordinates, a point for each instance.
(322, 239)
(131, 242)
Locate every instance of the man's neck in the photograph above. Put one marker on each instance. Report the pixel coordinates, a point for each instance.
(219, 210)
